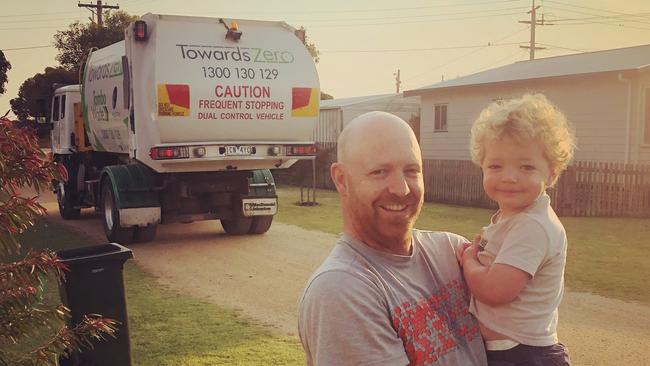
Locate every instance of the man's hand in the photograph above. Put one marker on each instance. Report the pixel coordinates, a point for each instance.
(460, 251)
(470, 253)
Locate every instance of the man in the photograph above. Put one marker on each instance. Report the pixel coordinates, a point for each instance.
(387, 294)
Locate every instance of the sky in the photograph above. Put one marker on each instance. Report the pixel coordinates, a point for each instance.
(363, 43)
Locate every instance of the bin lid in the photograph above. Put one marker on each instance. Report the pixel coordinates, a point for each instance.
(93, 253)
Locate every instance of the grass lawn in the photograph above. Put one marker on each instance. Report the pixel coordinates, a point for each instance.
(170, 329)
(606, 256)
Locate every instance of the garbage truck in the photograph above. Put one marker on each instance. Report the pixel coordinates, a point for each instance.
(183, 121)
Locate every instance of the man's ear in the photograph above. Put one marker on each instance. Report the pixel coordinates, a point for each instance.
(338, 177)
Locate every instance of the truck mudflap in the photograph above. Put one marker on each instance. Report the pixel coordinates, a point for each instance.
(141, 216)
(134, 189)
(261, 199)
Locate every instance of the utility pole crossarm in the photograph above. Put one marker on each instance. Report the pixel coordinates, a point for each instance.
(100, 10)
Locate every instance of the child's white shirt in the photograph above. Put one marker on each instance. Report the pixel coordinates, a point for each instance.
(535, 242)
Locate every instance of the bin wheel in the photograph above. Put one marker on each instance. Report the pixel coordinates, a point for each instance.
(261, 224)
(114, 231)
(237, 226)
(145, 234)
(66, 206)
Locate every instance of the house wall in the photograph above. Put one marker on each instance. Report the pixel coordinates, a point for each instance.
(640, 148)
(595, 104)
(329, 125)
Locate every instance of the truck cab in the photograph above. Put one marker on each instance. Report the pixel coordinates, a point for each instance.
(62, 118)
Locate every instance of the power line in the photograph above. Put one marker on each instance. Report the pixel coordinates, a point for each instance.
(419, 49)
(26, 48)
(454, 5)
(420, 16)
(413, 21)
(592, 14)
(586, 7)
(30, 28)
(34, 14)
(37, 20)
(465, 55)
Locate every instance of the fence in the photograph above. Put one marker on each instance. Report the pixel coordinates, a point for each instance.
(584, 189)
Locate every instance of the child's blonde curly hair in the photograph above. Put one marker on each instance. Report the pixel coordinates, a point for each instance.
(529, 118)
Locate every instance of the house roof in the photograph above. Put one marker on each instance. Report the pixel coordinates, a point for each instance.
(343, 102)
(620, 59)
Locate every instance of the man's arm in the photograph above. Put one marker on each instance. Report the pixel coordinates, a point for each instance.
(344, 320)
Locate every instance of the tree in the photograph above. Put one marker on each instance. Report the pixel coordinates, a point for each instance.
(24, 313)
(311, 46)
(35, 94)
(75, 42)
(5, 66)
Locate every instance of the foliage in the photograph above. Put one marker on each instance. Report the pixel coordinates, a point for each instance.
(311, 46)
(23, 313)
(74, 43)
(5, 66)
(35, 94)
(325, 96)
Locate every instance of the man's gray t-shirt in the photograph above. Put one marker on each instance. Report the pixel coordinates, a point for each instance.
(367, 307)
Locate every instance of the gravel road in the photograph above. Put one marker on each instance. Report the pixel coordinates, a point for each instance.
(263, 276)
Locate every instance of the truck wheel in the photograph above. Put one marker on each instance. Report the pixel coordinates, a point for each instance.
(66, 206)
(144, 234)
(114, 232)
(237, 226)
(261, 224)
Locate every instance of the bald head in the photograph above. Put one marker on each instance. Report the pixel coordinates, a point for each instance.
(379, 179)
(373, 128)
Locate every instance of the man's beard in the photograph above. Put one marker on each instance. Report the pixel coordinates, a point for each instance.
(370, 224)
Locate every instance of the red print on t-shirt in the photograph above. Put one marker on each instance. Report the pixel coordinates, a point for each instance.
(431, 327)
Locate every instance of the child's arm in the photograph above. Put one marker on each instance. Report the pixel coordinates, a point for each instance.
(494, 285)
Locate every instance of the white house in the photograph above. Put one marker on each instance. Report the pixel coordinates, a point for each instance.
(336, 113)
(605, 94)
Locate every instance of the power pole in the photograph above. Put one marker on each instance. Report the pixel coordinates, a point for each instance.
(398, 82)
(100, 10)
(533, 22)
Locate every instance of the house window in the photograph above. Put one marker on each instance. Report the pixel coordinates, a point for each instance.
(440, 118)
(646, 138)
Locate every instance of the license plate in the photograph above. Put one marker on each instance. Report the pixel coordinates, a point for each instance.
(259, 206)
(239, 150)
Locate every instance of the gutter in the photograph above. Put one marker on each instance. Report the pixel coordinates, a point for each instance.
(628, 118)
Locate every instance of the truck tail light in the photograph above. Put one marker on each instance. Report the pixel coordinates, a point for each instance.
(140, 30)
(165, 153)
(301, 150)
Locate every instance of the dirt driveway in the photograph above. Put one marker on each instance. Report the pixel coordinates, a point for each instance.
(264, 275)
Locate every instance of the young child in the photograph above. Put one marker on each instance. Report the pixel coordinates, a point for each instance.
(515, 269)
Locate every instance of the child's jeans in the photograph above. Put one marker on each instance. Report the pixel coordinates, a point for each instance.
(523, 355)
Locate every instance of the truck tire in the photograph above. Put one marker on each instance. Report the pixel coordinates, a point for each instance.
(260, 224)
(144, 234)
(65, 202)
(237, 226)
(114, 232)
